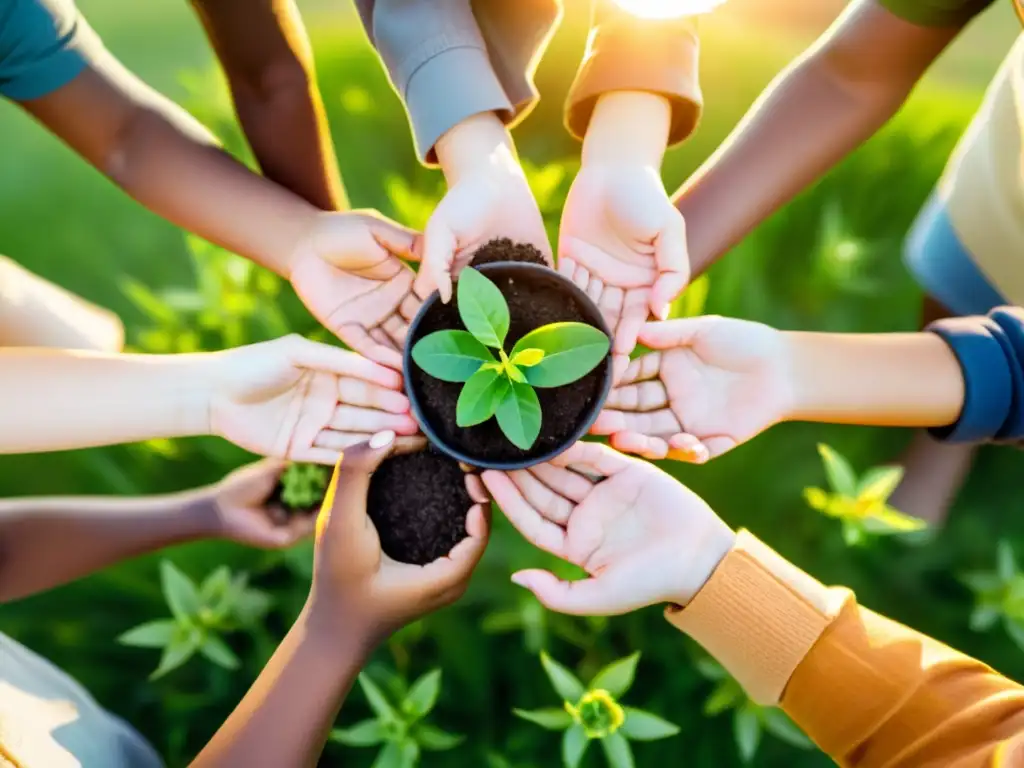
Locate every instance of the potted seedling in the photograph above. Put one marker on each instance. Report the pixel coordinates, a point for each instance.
(514, 370)
(300, 490)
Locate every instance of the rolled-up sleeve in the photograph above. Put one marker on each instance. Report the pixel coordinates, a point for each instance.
(438, 62)
(628, 53)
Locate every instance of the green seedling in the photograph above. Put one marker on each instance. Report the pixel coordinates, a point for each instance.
(593, 713)
(503, 386)
(861, 504)
(200, 616)
(303, 485)
(398, 726)
(999, 596)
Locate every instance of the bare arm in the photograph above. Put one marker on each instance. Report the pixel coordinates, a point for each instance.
(48, 542)
(835, 96)
(268, 61)
(167, 161)
(36, 313)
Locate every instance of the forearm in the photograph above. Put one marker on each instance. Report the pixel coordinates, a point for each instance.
(628, 128)
(46, 542)
(60, 400)
(268, 61)
(476, 143)
(36, 313)
(285, 717)
(898, 379)
(168, 162)
(812, 115)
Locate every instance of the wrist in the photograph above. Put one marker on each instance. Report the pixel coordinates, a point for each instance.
(628, 128)
(479, 143)
(324, 622)
(708, 554)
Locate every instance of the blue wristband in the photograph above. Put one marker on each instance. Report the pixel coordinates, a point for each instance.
(988, 383)
(1010, 321)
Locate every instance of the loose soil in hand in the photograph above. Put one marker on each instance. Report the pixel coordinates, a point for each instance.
(418, 503)
(531, 303)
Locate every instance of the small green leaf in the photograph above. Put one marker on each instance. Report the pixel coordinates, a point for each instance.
(423, 694)
(617, 750)
(879, 483)
(853, 533)
(450, 355)
(480, 397)
(217, 651)
(984, 617)
(710, 668)
(180, 650)
(482, 308)
(364, 734)
(886, 520)
(527, 357)
(839, 472)
(376, 699)
(215, 586)
(571, 351)
(747, 731)
(1006, 563)
(179, 591)
(727, 694)
(152, 634)
(565, 683)
(397, 755)
(981, 582)
(514, 373)
(551, 718)
(617, 677)
(519, 415)
(574, 744)
(778, 724)
(646, 726)
(434, 739)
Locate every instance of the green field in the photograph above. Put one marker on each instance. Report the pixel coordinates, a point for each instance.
(61, 219)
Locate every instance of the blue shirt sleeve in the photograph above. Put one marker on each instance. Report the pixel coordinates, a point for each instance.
(44, 45)
(990, 351)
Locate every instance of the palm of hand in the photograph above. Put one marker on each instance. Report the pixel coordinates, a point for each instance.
(241, 501)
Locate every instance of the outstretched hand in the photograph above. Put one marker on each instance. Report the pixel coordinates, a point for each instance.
(711, 384)
(350, 275)
(295, 399)
(642, 537)
(245, 514)
(354, 581)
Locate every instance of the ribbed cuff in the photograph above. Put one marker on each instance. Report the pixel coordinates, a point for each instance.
(452, 85)
(988, 381)
(758, 615)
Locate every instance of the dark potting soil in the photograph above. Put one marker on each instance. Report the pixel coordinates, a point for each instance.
(418, 503)
(531, 305)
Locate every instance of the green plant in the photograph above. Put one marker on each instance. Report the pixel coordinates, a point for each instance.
(750, 720)
(593, 713)
(200, 616)
(304, 485)
(550, 356)
(861, 504)
(399, 727)
(999, 595)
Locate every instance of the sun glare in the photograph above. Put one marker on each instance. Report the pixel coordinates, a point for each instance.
(668, 9)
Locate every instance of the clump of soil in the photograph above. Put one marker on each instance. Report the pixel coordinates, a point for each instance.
(418, 503)
(532, 303)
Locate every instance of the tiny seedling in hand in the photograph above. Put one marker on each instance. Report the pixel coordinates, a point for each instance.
(303, 485)
(502, 384)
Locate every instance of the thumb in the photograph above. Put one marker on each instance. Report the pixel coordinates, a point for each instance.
(439, 246)
(345, 501)
(673, 263)
(393, 237)
(580, 598)
(667, 334)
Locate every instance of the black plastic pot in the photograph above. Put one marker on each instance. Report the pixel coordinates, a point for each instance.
(541, 276)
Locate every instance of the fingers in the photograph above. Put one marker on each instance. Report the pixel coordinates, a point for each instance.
(526, 519)
(594, 458)
(613, 271)
(673, 262)
(450, 573)
(360, 341)
(323, 357)
(587, 597)
(680, 447)
(642, 396)
(348, 418)
(644, 368)
(549, 504)
(566, 483)
(674, 333)
(718, 445)
(363, 393)
(439, 247)
(394, 237)
(350, 483)
(610, 305)
(634, 315)
(294, 530)
(260, 476)
(476, 490)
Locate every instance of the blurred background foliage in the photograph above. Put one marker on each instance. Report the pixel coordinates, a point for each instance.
(828, 261)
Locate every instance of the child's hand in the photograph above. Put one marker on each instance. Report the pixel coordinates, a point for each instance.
(355, 584)
(488, 198)
(242, 513)
(295, 399)
(717, 383)
(348, 273)
(621, 239)
(643, 537)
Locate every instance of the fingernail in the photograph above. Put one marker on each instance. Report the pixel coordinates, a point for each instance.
(700, 453)
(382, 439)
(519, 580)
